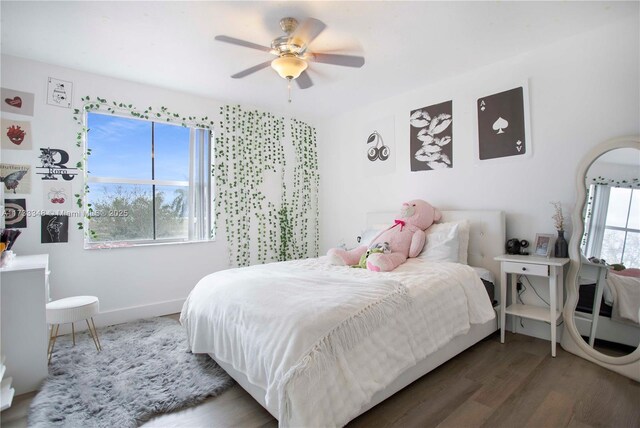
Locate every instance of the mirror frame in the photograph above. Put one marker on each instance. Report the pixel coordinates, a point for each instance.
(628, 365)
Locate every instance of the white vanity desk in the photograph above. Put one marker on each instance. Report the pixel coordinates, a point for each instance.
(24, 289)
(552, 268)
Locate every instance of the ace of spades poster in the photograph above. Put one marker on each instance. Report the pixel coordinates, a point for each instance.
(503, 124)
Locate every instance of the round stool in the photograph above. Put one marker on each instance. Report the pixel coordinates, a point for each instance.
(71, 310)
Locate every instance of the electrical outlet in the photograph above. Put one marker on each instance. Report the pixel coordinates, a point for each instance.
(519, 286)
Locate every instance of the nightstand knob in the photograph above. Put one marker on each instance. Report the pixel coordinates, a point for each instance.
(524, 268)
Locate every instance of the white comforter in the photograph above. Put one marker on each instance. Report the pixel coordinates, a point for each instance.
(625, 291)
(321, 340)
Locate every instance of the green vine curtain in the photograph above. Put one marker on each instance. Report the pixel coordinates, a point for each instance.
(251, 147)
(632, 183)
(260, 227)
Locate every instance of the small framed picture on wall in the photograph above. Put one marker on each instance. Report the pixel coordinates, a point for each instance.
(543, 245)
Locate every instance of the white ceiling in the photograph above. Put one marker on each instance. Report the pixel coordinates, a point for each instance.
(406, 44)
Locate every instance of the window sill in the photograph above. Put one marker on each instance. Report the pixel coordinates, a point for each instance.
(136, 244)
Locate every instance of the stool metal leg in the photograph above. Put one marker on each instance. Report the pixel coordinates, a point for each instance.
(96, 332)
(52, 340)
(73, 334)
(93, 336)
(53, 327)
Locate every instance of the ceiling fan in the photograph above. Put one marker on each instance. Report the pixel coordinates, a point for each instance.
(293, 53)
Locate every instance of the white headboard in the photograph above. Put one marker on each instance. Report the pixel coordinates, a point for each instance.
(486, 237)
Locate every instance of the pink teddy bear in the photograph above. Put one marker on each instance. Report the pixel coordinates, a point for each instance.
(406, 238)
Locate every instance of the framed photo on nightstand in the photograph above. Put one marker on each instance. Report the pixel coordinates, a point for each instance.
(543, 245)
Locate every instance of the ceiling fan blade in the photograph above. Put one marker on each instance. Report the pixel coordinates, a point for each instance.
(304, 80)
(335, 59)
(244, 43)
(308, 31)
(251, 70)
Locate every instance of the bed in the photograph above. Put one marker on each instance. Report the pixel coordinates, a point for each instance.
(318, 345)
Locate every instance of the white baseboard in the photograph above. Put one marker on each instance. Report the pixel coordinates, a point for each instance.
(120, 316)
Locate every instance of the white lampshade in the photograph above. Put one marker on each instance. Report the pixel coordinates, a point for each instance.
(289, 67)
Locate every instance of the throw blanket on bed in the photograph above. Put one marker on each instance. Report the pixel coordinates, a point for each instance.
(321, 340)
(625, 291)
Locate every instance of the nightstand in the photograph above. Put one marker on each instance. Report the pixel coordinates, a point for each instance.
(552, 268)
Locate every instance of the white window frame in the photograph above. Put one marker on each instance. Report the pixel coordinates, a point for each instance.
(203, 231)
(598, 221)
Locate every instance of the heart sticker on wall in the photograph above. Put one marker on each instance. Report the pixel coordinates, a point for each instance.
(14, 102)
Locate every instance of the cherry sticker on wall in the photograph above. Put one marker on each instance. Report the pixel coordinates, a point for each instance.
(57, 196)
(379, 150)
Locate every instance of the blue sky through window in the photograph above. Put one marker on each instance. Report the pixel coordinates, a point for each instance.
(121, 148)
(171, 152)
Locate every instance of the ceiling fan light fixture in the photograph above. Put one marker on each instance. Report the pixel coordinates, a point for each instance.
(289, 67)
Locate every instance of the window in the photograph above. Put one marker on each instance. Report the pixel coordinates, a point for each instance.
(148, 182)
(614, 226)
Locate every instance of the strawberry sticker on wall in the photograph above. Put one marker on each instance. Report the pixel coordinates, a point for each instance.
(16, 101)
(57, 196)
(15, 134)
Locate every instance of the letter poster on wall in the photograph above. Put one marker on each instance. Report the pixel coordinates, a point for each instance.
(53, 165)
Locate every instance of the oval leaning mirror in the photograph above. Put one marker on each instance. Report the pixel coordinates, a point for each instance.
(602, 315)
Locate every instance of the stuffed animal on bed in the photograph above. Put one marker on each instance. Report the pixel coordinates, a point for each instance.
(406, 238)
(378, 248)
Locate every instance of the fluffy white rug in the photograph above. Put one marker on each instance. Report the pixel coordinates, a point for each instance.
(144, 369)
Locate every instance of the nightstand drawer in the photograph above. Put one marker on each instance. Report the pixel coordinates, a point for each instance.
(526, 268)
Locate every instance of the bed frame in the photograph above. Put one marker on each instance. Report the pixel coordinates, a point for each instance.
(486, 241)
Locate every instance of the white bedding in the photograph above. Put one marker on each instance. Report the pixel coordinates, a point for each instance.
(253, 319)
(625, 291)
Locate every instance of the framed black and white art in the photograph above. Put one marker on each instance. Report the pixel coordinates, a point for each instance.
(431, 137)
(59, 92)
(378, 150)
(503, 124)
(54, 229)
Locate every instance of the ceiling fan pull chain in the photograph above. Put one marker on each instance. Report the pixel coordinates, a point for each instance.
(289, 88)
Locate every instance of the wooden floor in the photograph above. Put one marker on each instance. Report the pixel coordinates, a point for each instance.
(516, 384)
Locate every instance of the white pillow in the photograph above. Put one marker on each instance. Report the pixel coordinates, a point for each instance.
(371, 232)
(443, 243)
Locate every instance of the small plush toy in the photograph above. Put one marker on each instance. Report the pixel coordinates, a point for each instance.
(379, 248)
(406, 238)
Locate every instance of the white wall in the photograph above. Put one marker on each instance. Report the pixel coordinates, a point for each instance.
(130, 282)
(613, 171)
(583, 90)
